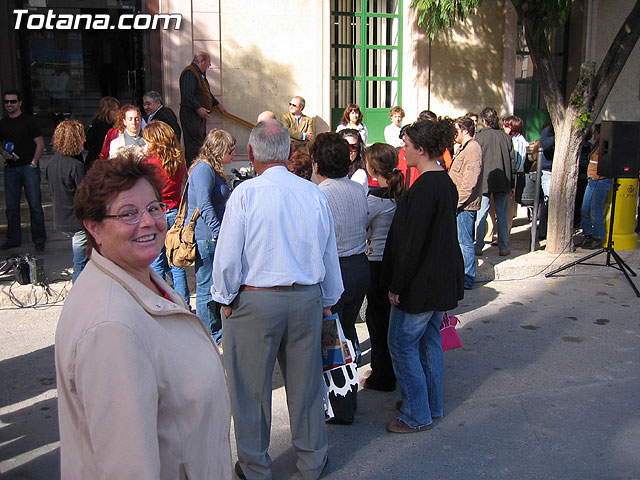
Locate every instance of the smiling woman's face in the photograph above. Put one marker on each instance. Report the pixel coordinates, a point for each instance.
(132, 247)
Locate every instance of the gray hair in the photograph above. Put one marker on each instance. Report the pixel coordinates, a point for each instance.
(200, 55)
(301, 100)
(153, 96)
(270, 142)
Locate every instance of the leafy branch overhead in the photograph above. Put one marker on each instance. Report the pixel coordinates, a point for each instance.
(436, 15)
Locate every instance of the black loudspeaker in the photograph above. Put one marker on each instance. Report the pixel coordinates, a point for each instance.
(619, 150)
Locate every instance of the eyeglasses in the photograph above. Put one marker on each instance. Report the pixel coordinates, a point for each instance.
(293, 105)
(354, 148)
(134, 215)
(11, 101)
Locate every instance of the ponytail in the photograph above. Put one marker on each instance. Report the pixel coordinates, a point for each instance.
(396, 184)
(383, 160)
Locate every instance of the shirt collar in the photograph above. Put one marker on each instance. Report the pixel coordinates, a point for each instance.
(198, 69)
(155, 111)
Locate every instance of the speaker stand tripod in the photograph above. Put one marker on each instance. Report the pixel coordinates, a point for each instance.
(618, 263)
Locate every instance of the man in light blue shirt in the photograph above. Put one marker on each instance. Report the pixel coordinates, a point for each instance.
(276, 272)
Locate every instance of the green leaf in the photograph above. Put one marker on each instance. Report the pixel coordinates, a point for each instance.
(436, 15)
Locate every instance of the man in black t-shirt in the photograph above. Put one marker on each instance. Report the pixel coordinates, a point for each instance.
(21, 145)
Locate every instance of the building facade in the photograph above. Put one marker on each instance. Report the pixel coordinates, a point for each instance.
(331, 52)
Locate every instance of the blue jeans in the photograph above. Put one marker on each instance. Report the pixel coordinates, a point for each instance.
(206, 308)
(161, 265)
(78, 250)
(592, 204)
(501, 202)
(545, 185)
(14, 179)
(416, 351)
(466, 222)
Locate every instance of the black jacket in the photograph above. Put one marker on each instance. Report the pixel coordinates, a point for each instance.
(166, 115)
(64, 174)
(422, 261)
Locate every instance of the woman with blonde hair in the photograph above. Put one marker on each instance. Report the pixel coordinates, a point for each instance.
(64, 173)
(352, 118)
(102, 122)
(208, 191)
(163, 151)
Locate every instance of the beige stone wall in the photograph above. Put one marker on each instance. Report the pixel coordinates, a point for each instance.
(266, 51)
(263, 52)
(466, 68)
(272, 50)
(624, 100)
(200, 30)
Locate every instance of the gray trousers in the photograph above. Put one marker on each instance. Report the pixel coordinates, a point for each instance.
(264, 325)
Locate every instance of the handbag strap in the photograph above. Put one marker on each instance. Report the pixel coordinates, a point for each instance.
(182, 209)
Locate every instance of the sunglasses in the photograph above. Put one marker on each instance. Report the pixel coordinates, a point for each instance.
(11, 101)
(293, 105)
(354, 148)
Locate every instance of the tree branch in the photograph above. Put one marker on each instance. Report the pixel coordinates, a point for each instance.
(543, 62)
(615, 58)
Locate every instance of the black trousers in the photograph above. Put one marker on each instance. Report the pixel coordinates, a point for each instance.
(378, 310)
(194, 130)
(355, 277)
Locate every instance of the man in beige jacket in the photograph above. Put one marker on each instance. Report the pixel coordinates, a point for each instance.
(465, 172)
(299, 125)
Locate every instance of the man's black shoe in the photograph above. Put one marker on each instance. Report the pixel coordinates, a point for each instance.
(7, 245)
(595, 244)
(239, 472)
(580, 242)
(40, 247)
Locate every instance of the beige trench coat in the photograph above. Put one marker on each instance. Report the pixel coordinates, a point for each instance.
(141, 389)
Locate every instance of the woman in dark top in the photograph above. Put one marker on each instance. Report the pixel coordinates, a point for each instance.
(64, 173)
(102, 122)
(423, 267)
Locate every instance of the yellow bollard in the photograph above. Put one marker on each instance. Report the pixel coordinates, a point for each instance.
(624, 223)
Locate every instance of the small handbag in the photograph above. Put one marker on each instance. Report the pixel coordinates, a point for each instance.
(450, 338)
(180, 242)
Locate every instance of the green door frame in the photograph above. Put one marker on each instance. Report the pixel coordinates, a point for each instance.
(375, 118)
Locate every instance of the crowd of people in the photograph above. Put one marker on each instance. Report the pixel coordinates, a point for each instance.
(327, 222)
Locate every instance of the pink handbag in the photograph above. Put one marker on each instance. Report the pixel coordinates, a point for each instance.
(450, 338)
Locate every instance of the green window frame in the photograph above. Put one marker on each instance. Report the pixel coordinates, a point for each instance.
(366, 48)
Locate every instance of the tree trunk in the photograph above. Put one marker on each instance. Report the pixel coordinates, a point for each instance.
(563, 184)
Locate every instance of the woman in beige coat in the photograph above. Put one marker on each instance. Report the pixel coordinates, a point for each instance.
(141, 389)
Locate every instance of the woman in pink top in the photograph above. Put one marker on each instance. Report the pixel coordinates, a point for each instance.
(163, 151)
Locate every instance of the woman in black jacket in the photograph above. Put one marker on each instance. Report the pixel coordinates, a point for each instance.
(102, 122)
(64, 173)
(423, 266)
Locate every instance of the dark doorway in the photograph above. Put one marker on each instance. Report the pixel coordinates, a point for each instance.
(64, 73)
